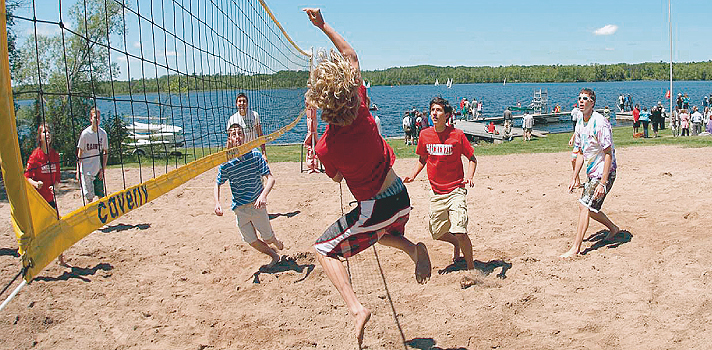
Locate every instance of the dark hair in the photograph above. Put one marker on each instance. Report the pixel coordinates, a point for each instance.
(443, 103)
(234, 125)
(242, 94)
(590, 93)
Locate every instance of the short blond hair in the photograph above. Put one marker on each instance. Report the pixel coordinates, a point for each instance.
(333, 87)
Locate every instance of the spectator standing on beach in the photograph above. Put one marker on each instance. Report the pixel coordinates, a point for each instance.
(709, 123)
(684, 123)
(507, 124)
(596, 152)
(407, 128)
(685, 101)
(607, 113)
(636, 120)
(352, 150)
(43, 171)
(92, 155)
(376, 118)
(655, 116)
(661, 120)
(248, 119)
(311, 139)
(678, 101)
(441, 148)
(249, 195)
(705, 104)
(527, 126)
(645, 120)
(464, 108)
(675, 122)
(696, 119)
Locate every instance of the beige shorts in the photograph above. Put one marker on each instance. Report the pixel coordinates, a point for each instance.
(448, 212)
(250, 219)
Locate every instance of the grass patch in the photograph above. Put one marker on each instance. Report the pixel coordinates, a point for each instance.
(622, 137)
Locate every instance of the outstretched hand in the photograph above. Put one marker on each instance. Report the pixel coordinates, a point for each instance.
(315, 16)
(408, 179)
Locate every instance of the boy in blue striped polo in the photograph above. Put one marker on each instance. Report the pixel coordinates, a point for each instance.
(249, 196)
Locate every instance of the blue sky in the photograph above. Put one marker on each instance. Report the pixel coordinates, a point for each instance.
(507, 32)
(389, 33)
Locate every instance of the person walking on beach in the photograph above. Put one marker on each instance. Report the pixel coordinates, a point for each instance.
(442, 147)
(92, 155)
(249, 195)
(248, 119)
(594, 142)
(351, 149)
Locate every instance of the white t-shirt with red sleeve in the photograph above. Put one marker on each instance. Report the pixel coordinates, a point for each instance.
(443, 151)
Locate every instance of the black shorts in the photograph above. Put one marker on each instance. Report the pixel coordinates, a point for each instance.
(636, 124)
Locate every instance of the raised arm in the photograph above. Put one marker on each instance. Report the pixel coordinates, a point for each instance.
(344, 48)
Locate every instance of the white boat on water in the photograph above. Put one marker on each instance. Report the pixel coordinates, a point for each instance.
(145, 138)
(436, 82)
(449, 83)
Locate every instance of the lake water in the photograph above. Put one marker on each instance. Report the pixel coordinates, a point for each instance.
(203, 123)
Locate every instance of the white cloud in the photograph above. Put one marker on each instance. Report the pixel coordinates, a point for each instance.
(608, 29)
(44, 29)
(137, 45)
(610, 49)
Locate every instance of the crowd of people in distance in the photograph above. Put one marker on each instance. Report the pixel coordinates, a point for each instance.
(471, 110)
(685, 120)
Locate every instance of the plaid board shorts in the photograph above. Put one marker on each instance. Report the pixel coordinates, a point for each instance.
(386, 213)
(588, 197)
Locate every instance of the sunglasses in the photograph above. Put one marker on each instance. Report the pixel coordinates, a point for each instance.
(584, 98)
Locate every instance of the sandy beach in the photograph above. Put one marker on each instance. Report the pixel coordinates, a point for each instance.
(172, 275)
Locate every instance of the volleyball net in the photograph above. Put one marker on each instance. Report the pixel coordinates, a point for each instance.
(164, 74)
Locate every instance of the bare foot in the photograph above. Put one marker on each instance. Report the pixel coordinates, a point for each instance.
(467, 282)
(277, 243)
(275, 260)
(422, 263)
(456, 254)
(610, 237)
(570, 254)
(361, 318)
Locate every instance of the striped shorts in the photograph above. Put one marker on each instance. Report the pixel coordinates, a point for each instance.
(386, 213)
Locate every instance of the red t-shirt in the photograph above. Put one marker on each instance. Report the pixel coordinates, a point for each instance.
(45, 168)
(443, 151)
(636, 115)
(357, 151)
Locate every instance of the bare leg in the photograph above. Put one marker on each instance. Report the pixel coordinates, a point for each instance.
(337, 275)
(577, 182)
(580, 231)
(263, 248)
(466, 246)
(450, 238)
(417, 252)
(603, 219)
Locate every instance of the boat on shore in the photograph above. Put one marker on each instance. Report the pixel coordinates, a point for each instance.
(147, 138)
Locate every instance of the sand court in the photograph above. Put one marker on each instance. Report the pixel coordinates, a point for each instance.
(173, 275)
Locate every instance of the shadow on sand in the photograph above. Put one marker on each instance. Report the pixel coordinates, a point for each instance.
(428, 344)
(286, 263)
(123, 227)
(288, 215)
(622, 237)
(485, 267)
(78, 272)
(9, 252)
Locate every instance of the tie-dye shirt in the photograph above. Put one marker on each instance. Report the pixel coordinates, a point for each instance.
(592, 138)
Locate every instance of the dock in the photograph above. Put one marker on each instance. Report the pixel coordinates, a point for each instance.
(477, 130)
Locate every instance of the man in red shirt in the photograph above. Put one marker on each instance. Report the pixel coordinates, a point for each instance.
(441, 147)
(636, 119)
(352, 149)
